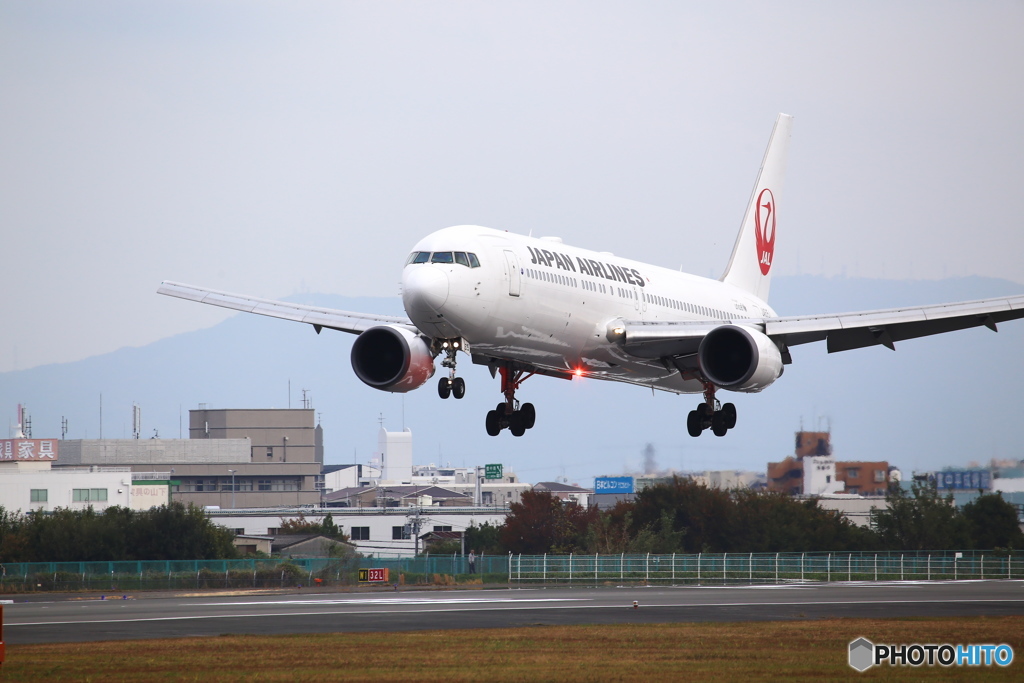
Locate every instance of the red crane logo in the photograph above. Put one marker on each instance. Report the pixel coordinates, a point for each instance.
(764, 229)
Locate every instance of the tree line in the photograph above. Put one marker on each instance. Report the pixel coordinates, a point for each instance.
(168, 532)
(686, 517)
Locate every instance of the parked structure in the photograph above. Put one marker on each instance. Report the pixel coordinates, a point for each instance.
(813, 471)
(396, 496)
(308, 545)
(568, 492)
(31, 479)
(375, 531)
(234, 458)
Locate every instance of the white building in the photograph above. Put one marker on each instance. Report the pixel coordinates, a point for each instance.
(29, 482)
(820, 476)
(382, 532)
(504, 491)
(728, 479)
(395, 449)
(338, 477)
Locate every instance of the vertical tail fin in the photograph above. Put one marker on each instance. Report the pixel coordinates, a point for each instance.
(750, 266)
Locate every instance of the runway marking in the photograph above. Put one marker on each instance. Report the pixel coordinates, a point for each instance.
(386, 601)
(623, 607)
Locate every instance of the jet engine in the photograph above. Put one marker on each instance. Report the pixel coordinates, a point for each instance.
(391, 358)
(739, 358)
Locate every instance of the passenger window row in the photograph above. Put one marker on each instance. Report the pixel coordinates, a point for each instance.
(462, 258)
(557, 278)
(687, 307)
(552, 277)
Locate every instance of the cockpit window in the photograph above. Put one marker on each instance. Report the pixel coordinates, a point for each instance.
(418, 257)
(442, 257)
(460, 258)
(474, 262)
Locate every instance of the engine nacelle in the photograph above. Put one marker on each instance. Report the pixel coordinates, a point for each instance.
(739, 358)
(391, 358)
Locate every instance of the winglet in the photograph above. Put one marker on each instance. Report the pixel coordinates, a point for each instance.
(750, 266)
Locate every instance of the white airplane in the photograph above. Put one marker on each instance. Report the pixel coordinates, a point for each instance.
(524, 306)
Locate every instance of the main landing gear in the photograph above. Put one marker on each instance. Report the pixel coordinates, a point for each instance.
(508, 413)
(450, 385)
(721, 418)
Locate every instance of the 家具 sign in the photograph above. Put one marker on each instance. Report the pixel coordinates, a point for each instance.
(28, 449)
(492, 472)
(613, 485)
(377, 574)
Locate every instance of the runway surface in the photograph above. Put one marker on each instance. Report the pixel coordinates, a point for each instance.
(46, 619)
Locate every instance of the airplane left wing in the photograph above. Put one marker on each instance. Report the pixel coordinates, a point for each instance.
(319, 318)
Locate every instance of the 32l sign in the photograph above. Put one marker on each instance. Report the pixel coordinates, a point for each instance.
(376, 574)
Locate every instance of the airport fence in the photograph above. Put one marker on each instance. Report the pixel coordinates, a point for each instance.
(25, 577)
(175, 574)
(514, 570)
(763, 568)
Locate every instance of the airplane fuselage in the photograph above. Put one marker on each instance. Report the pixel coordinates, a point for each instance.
(549, 304)
(525, 306)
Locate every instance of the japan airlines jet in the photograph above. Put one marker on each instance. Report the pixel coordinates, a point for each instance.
(524, 306)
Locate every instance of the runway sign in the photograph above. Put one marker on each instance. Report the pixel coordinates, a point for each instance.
(376, 575)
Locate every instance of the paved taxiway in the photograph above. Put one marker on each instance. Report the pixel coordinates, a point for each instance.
(42, 619)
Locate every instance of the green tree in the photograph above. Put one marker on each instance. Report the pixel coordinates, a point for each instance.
(485, 538)
(687, 516)
(992, 523)
(768, 522)
(325, 527)
(921, 520)
(705, 515)
(542, 523)
(170, 532)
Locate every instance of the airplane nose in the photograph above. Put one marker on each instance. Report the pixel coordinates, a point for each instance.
(425, 288)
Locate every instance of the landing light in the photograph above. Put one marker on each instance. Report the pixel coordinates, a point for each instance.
(444, 345)
(455, 344)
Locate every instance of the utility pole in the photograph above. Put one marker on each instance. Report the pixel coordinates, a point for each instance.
(232, 488)
(415, 524)
(477, 495)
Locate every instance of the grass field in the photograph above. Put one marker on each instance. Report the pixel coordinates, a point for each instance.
(806, 650)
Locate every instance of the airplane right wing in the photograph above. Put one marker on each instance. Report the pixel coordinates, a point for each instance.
(841, 332)
(319, 318)
(847, 331)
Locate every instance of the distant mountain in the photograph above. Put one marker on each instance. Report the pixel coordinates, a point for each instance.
(938, 401)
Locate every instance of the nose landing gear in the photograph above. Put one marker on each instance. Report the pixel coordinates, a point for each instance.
(450, 385)
(710, 413)
(509, 413)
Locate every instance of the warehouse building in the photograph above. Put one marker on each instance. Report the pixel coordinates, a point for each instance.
(234, 458)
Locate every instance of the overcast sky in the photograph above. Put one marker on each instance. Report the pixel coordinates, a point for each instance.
(274, 148)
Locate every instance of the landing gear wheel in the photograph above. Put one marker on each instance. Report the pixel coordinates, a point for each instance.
(509, 413)
(515, 424)
(704, 414)
(729, 415)
(694, 423)
(492, 423)
(444, 387)
(718, 425)
(529, 415)
(458, 387)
